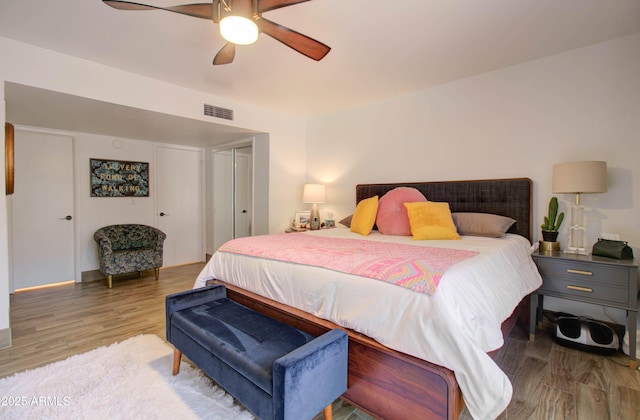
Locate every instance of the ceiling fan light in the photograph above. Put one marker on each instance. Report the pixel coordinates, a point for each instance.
(239, 30)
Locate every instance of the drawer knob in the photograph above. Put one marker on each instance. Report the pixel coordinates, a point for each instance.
(581, 289)
(584, 273)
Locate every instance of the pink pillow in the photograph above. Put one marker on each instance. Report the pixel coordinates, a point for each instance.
(392, 218)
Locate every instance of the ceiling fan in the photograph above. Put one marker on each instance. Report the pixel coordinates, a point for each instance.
(248, 12)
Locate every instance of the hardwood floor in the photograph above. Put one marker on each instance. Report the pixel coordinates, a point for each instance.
(550, 381)
(51, 324)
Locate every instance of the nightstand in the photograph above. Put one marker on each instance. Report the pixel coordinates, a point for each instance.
(589, 279)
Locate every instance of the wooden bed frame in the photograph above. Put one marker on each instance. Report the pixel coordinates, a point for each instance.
(385, 383)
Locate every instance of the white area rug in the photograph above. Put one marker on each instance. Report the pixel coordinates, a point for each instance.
(126, 380)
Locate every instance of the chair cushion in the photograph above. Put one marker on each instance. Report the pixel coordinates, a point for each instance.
(247, 341)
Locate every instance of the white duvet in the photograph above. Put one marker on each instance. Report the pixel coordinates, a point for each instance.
(455, 327)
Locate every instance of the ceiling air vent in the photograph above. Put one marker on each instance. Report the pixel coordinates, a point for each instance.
(218, 112)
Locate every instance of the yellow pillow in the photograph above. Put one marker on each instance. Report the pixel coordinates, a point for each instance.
(365, 216)
(431, 220)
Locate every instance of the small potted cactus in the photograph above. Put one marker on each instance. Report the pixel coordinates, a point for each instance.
(552, 222)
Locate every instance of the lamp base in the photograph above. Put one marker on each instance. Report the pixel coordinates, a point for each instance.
(575, 250)
(314, 218)
(577, 230)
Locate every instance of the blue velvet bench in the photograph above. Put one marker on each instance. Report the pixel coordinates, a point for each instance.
(273, 369)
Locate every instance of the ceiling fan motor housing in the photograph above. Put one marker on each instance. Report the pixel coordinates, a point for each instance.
(244, 8)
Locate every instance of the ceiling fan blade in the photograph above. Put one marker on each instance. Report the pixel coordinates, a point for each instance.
(198, 10)
(266, 5)
(225, 55)
(301, 43)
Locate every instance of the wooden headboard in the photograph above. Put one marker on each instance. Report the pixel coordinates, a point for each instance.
(506, 197)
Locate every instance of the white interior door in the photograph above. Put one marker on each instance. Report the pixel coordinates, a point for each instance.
(179, 203)
(242, 187)
(222, 198)
(42, 228)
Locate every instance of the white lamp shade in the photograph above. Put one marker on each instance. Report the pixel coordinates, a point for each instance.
(239, 30)
(314, 193)
(579, 177)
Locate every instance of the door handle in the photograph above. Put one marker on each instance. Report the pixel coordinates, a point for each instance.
(163, 213)
(67, 218)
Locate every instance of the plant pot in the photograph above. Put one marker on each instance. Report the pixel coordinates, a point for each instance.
(548, 248)
(550, 235)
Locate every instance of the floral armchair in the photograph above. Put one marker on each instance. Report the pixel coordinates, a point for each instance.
(129, 248)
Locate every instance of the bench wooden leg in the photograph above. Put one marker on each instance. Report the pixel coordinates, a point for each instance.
(177, 357)
(157, 270)
(110, 281)
(327, 412)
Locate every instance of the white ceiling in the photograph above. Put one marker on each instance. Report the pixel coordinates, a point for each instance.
(380, 48)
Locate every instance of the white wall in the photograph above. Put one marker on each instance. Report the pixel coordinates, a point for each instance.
(32, 66)
(92, 213)
(516, 122)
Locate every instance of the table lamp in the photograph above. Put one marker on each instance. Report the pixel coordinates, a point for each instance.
(314, 194)
(579, 178)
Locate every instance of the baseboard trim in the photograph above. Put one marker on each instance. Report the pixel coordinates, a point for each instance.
(96, 275)
(91, 275)
(5, 338)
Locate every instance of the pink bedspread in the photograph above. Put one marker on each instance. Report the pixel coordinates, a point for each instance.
(415, 267)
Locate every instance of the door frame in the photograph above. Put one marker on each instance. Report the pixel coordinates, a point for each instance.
(231, 148)
(260, 164)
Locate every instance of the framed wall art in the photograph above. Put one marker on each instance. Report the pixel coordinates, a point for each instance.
(119, 178)
(9, 158)
(302, 218)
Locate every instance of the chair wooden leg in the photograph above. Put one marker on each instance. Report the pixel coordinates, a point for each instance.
(157, 270)
(327, 412)
(110, 281)
(177, 357)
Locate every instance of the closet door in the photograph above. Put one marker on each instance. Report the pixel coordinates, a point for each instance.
(42, 223)
(242, 192)
(223, 207)
(232, 194)
(179, 201)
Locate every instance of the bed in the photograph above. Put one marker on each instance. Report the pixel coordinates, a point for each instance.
(411, 354)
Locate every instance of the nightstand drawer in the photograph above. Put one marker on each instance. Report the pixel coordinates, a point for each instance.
(585, 290)
(579, 272)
